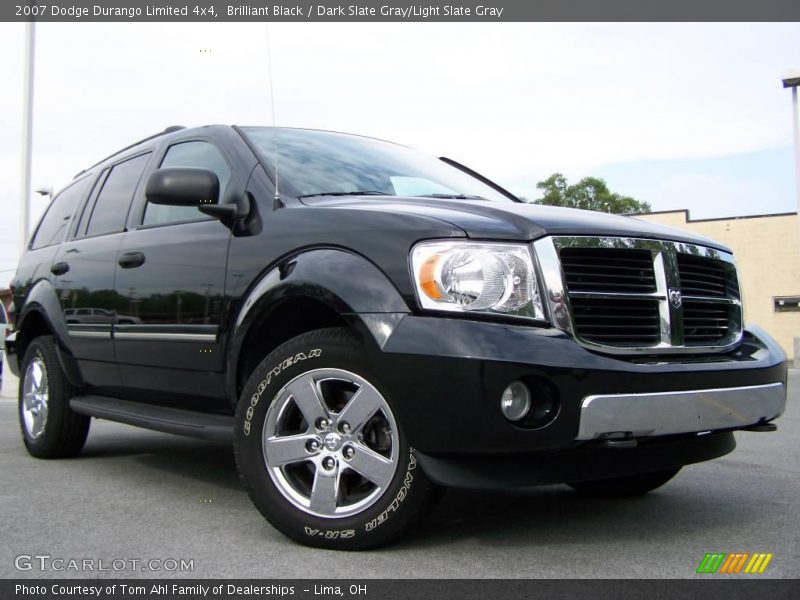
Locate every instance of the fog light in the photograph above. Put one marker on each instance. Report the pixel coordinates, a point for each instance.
(515, 401)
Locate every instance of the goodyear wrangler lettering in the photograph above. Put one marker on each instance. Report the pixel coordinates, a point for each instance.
(398, 499)
(285, 363)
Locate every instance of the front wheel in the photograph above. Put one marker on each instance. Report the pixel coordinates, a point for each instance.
(625, 487)
(320, 450)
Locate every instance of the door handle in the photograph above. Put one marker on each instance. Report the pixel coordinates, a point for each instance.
(59, 268)
(131, 260)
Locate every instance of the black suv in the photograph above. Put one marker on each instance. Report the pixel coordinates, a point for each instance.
(367, 324)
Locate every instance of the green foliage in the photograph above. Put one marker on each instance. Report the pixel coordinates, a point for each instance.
(590, 193)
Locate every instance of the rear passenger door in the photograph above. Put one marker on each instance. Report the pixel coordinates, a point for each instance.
(170, 289)
(85, 265)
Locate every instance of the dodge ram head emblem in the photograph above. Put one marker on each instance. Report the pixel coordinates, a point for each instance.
(675, 298)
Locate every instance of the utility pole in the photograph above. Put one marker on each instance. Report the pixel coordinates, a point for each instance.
(27, 137)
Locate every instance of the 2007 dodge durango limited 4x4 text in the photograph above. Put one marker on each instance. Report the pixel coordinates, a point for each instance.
(381, 325)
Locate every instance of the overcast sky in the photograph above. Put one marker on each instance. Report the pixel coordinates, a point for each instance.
(683, 116)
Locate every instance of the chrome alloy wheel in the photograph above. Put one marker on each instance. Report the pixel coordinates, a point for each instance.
(34, 398)
(330, 443)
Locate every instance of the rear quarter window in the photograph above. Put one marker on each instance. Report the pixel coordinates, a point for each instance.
(55, 221)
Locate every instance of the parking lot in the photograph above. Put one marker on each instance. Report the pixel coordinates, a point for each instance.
(134, 494)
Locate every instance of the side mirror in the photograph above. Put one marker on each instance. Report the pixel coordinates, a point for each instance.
(182, 187)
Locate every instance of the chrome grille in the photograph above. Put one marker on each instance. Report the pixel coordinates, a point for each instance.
(623, 295)
(701, 276)
(609, 270)
(617, 322)
(705, 322)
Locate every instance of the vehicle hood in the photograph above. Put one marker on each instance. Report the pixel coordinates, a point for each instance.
(515, 221)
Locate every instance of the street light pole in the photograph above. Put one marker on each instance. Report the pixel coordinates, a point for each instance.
(27, 137)
(796, 121)
(792, 80)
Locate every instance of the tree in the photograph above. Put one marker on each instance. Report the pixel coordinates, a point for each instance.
(590, 193)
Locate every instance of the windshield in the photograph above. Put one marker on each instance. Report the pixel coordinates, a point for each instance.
(315, 163)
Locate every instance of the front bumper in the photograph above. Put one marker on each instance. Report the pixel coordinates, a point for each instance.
(445, 377)
(586, 462)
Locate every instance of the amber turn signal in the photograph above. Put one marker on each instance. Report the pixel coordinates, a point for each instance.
(427, 277)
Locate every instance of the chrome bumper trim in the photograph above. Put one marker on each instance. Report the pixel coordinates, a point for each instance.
(667, 413)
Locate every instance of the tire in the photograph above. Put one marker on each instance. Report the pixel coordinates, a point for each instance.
(304, 467)
(625, 487)
(50, 429)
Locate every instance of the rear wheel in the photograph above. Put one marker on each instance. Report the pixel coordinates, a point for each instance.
(320, 450)
(625, 487)
(50, 429)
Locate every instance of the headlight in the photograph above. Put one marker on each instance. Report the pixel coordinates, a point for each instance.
(476, 277)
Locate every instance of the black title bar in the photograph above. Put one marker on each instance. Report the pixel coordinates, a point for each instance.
(399, 10)
(396, 589)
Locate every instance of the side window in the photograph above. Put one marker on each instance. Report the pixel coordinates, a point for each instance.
(56, 219)
(202, 155)
(111, 207)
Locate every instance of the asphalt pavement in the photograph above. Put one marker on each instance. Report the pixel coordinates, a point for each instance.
(135, 495)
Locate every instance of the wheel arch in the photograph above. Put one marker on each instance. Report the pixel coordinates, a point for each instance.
(323, 287)
(41, 315)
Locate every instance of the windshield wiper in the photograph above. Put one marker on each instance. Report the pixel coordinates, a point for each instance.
(357, 193)
(451, 196)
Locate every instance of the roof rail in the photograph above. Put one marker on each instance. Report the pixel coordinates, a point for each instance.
(170, 129)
